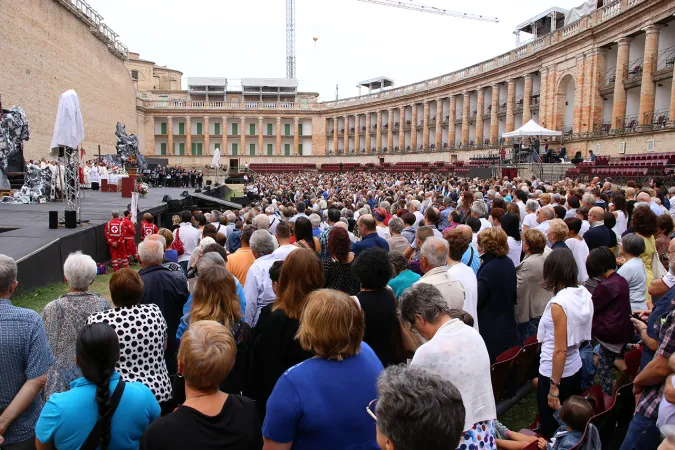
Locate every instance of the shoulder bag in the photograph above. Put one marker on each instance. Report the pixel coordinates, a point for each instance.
(177, 244)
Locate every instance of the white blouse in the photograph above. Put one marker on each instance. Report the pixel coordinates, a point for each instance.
(446, 354)
(579, 249)
(515, 249)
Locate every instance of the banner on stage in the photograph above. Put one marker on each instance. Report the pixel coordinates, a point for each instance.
(134, 206)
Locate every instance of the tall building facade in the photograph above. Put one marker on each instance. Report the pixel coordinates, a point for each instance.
(605, 80)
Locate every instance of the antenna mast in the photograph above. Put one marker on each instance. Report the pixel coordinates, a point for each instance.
(290, 39)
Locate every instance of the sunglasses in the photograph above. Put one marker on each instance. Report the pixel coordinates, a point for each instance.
(370, 408)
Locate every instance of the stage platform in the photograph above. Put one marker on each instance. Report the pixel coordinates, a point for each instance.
(40, 251)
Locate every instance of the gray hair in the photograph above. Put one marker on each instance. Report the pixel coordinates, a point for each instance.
(262, 243)
(151, 252)
(269, 210)
(479, 207)
(315, 219)
(396, 225)
(416, 205)
(8, 272)
(385, 204)
(79, 270)
(532, 205)
(211, 258)
(633, 244)
(549, 212)
(261, 222)
(435, 251)
(363, 211)
(589, 199)
(231, 217)
(205, 242)
(115, 213)
(423, 299)
(398, 261)
(415, 405)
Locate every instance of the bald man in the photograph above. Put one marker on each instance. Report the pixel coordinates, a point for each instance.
(369, 238)
(598, 234)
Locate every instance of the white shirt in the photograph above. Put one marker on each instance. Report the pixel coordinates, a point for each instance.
(420, 219)
(530, 221)
(635, 273)
(467, 277)
(189, 236)
(446, 354)
(579, 249)
(585, 226)
(577, 304)
(543, 227)
(484, 224)
(621, 224)
(515, 249)
(274, 221)
(523, 213)
(258, 288)
(383, 232)
(283, 251)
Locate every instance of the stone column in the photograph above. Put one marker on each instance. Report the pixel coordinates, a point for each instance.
(413, 128)
(345, 142)
(390, 130)
(401, 124)
(598, 62)
(672, 101)
(619, 106)
(378, 132)
(580, 86)
(357, 133)
(465, 119)
(425, 125)
(367, 134)
(278, 143)
(480, 106)
(296, 136)
(223, 150)
(452, 113)
(260, 136)
(543, 86)
(510, 105)
(647, 88)
(527, 93)
(439, 123)
(494, 118)
(188, 136)
(242, 136)
(551, 96)
(206, 135)
(169, 150)
(335, 134)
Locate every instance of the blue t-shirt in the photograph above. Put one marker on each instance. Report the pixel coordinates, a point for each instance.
(68, 417)
(403, 281)
(661, 309)
(322, 403)
(471, 256)
(171, 255)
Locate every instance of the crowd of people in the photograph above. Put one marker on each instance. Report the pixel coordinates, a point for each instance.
(353, 310)
(174, 176)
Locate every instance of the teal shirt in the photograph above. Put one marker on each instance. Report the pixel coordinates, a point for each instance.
(68, 417)
(403, 281)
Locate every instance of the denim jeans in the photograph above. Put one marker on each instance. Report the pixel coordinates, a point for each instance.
(526, 329)
(587, 365)
(642, 434)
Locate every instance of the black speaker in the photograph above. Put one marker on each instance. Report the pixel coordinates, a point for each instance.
(71, 219)
(53, 220)
(174, 206)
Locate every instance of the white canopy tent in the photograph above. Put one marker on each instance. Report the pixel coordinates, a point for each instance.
(531, 128)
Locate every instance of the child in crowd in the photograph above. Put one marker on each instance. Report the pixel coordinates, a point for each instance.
(573, 417)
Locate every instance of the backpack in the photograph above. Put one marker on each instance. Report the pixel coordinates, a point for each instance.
(177, 244)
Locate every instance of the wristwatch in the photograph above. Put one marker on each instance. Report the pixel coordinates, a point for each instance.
(554, 383)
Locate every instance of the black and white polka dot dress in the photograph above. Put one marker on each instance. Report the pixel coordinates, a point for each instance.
(141, 330)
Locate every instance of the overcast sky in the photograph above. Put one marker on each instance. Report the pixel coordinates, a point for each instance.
(356, 41)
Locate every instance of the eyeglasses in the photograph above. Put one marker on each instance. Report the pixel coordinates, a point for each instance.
(370, 408)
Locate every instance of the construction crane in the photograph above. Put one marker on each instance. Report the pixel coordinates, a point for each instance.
(411, 5)
(415, 6)
(290, 39)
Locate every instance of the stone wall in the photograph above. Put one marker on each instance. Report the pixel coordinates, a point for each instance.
(47, 50)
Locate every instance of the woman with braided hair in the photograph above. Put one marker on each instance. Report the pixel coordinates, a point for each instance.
(119, 416)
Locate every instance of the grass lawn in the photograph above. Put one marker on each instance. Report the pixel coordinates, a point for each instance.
(37, 299)
(518, 417)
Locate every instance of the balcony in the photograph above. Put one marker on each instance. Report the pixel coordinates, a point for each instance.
(204, 105)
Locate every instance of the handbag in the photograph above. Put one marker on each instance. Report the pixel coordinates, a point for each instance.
(177, 244)
(657, 268)
(94, 438)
